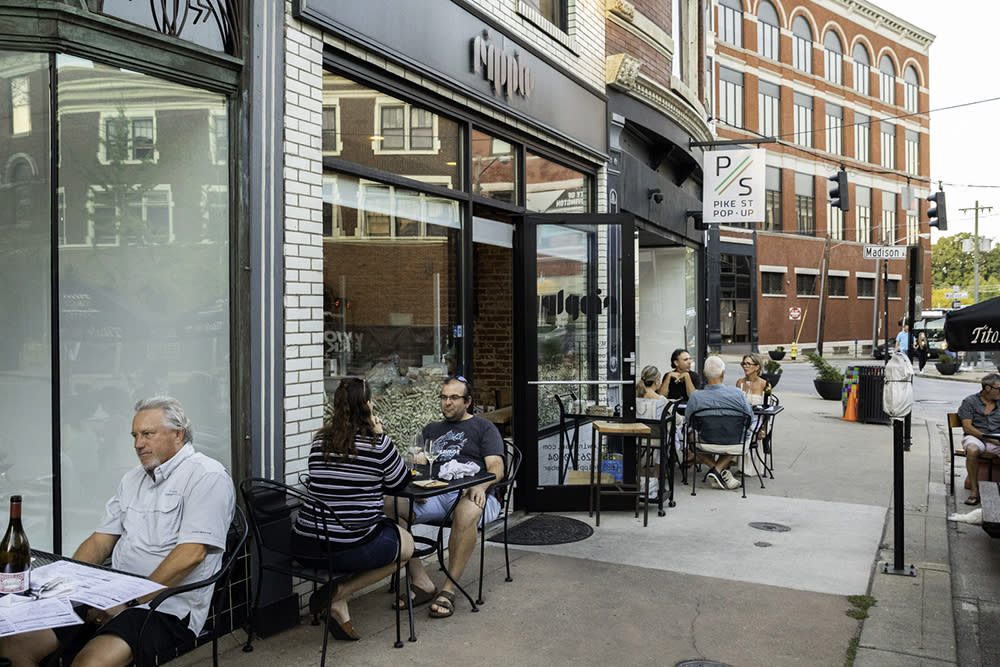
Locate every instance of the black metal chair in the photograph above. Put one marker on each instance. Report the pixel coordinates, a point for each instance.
(704, 437)
(235, 541)
(503, 490)
(664, 426)
(761, 443)
(273, 508)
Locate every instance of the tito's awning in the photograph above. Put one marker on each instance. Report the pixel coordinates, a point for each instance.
(974, 328)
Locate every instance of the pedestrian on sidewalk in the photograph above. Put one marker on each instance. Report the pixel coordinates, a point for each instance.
(979, 416)
(923, 349)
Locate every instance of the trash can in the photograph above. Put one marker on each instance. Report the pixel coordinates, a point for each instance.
(871, 384)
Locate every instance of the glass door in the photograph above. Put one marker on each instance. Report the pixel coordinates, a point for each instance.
(575, 348)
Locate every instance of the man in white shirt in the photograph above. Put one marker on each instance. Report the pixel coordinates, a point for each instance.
(168, 522)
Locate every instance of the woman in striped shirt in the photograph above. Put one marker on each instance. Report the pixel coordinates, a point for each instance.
(352, 465)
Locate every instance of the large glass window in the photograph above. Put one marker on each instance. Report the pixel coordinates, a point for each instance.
(889, 217)
(730, 97)
(772, 199)
(730, 27)
(398, 334)
(802, 115)
(887, 80)
(494, 169)
(862, 137)
(912, 152)
(866, 287)
(835, 223)
(144, 277)
(911, 90)
(862, 69)
(863, 213)
(805, 205)
(769, 108)
(833, 58)
(370, 128)
(553, 188)
(25, 271)
(802, 44)
(805, 284)
(834, 128)
(888, 136)
(772, 283)
(768, 31)
(553, 11)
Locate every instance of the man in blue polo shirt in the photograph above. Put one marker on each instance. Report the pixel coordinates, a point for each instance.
(713, 396)
(168, 522)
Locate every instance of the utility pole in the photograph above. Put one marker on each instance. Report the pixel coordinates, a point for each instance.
(823, 290)
(975, 249)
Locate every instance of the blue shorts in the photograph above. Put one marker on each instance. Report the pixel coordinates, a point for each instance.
(437, 506)
(374, 553)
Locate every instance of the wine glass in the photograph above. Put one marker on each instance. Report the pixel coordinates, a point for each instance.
(432, 451)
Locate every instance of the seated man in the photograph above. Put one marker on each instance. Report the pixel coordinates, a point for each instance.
(715, 395)
(979, 415)
(168, 522)
(469, 438)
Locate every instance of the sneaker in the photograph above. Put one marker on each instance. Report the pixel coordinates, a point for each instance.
(728, 479)
(714, 479)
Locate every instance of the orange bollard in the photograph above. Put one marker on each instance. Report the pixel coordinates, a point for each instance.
(851, 413)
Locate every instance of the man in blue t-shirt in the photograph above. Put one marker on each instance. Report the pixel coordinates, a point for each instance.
(903, 341)
(467, 438)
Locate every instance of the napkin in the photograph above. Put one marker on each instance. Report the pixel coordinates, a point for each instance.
(456, 470)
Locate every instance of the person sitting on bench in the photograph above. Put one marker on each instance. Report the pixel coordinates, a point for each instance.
(979, 415)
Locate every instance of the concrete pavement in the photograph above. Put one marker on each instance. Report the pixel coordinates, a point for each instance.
(700, 583)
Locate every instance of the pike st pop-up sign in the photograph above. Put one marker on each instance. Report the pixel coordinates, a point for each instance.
(734, 186)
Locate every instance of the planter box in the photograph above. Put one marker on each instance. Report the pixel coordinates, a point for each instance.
(830, 390)
(777, 355)
(945, 369)
(772, 378)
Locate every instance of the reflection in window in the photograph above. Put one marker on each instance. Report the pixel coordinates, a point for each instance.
(554, 188)
(154, 319)
(494, 170)
(20, 105)
(373, 129)
(390, 295)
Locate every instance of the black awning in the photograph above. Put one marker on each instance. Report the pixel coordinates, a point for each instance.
(974, 328)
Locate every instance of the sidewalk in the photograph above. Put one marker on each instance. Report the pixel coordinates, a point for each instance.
(700, 583)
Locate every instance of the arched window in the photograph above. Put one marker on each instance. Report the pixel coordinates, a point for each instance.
(887, 80)
(730, 28)
(833, 58)
(20, 178)
(802, 37)
(862, 66)
(768, 30)
(911, 90)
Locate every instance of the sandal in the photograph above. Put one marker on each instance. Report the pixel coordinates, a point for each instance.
(420, 596)
(445, 600)
(972, 500)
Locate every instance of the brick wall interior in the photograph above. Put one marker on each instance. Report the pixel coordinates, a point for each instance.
(493, 360)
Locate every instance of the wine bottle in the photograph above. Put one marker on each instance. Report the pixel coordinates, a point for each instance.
(767, 395)
(15, 554)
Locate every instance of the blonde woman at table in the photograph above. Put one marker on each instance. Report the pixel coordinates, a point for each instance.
(352, 465)
(648, 403)
(752, 384)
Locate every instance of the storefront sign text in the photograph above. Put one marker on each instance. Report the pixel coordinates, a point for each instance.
(502, 69)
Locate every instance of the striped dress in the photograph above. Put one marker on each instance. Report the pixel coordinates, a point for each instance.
(353, 489)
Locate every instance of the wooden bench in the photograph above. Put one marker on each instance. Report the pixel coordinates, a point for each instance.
(989, 495)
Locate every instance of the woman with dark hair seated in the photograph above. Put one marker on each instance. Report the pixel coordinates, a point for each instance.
(681, 382)
(352, 465)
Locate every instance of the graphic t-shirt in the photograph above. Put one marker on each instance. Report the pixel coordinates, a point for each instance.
(467, 440)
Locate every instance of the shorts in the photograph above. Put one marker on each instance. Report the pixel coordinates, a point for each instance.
(437, 506)
(164, 633)
(988, 447)
(372, 554)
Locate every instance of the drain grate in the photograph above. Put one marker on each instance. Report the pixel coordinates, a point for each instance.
(769, 527)
(701, 663)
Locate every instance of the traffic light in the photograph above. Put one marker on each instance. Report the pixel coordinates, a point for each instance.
(937, 214)
(839, 197)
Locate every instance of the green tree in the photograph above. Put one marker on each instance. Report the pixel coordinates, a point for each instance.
(950, 265)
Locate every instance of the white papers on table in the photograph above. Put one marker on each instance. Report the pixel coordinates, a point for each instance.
(21, 614)
(94, 586)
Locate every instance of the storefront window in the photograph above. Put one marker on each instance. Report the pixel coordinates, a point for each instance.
(494, 170)
(390, 296)
(553, 188)
(143, 271)
(370, 128)
(25, 303)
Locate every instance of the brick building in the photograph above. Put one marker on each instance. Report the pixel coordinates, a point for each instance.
(837, 82)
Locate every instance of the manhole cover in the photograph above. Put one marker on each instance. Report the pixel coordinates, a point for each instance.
(701, 663)
(762, 544)
(768, 526)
